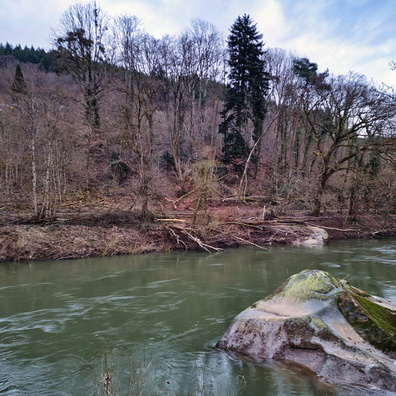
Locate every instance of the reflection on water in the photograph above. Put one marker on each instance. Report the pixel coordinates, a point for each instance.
(153, 320)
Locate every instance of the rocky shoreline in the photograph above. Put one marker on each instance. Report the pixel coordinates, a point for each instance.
(121, 235)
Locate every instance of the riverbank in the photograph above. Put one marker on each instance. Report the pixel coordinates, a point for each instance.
(122, 232)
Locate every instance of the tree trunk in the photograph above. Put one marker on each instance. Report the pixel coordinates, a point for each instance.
(34, 172)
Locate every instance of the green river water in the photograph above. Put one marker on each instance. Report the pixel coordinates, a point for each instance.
(152, 320)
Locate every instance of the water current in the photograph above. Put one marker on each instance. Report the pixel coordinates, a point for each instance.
(152, 321)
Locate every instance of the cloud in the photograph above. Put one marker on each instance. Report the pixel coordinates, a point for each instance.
(341, 35)
(28, 22)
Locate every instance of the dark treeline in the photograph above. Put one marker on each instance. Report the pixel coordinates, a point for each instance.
(46, 60)
(111, 109)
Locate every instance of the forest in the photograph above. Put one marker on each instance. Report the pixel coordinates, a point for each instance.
(191, 122)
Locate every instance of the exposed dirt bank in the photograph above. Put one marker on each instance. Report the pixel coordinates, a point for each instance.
(118, 233)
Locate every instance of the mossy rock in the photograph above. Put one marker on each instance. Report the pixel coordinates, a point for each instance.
(321, 322)
(373, 321)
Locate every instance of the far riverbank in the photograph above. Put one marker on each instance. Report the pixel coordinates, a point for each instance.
(122, 233)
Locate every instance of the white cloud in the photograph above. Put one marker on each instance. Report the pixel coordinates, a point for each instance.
(341, 35)
(271, 21)
(28, 22)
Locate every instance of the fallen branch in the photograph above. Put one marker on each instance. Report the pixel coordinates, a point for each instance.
(244, 224)
(173, 220)
(251, 243)
(251, 198)
(201, 244)
(381, 233)
(176, 201)
(178, 240)
(337, 229)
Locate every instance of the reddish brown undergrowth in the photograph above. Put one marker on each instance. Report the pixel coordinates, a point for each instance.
(104, 229)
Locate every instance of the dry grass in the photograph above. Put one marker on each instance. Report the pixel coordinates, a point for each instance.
(106, 227)
(21, 242)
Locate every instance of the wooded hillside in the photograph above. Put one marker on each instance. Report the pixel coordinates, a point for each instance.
(114, 113)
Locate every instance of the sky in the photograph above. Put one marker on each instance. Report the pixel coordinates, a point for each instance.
(339, 35)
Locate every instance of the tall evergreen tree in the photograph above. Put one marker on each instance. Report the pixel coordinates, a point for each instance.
(19, 85)
(245, 101)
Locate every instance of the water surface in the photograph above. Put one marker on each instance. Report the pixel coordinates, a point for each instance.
(152, 320)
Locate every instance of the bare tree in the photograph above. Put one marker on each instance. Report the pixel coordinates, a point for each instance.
(284, 112)
(347, 119)
(190, 63)
(40, 122)
(139, 57)
(80, 41)
(26, 106)
(55, 150)
(208, 56)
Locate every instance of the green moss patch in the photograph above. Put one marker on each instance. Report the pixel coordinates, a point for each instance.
(372, 321)
(307, 284)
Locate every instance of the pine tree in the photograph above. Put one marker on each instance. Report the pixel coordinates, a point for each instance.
(19, 85)
(245, 102)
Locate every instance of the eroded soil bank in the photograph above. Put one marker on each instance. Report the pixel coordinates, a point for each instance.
(122, 232)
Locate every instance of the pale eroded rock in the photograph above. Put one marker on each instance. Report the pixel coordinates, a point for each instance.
(321, 322)
(318, 237)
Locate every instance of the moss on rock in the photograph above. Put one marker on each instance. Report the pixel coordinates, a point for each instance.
(307, 284)
(373, 321)
(322, 322)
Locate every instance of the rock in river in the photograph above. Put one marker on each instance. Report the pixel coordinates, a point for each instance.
(316, 320)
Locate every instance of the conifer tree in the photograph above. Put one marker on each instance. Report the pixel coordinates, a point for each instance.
(245, 101)
(19, 85)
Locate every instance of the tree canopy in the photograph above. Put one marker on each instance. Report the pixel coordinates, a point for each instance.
(123, 99)
(245, 100)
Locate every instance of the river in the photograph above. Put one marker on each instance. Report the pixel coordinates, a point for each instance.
(152, 321)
